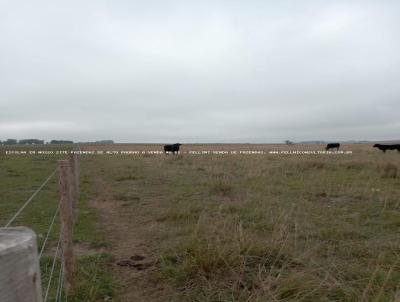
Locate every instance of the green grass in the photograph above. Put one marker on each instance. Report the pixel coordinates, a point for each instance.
(20, 176)
(265, 228)
(240, 227)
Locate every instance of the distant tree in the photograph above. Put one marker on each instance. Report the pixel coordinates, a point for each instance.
(288, 142)
(106, 141)
(60, 142)
(10, 141)
(31, 141)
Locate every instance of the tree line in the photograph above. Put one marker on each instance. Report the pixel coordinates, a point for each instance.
(34, 141)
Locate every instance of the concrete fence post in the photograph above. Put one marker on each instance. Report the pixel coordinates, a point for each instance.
(19, 266)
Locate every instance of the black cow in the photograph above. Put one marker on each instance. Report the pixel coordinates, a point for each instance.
(172, 148)
(387, 147)
(332, 146)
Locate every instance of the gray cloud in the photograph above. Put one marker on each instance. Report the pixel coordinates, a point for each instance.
(191, 71)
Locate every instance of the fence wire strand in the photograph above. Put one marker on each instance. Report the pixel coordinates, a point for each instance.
(59, 298)
(49, 231)
(30, 199)
(52, 269)
(60, 282)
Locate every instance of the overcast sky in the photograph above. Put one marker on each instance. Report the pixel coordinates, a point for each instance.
(200, 71)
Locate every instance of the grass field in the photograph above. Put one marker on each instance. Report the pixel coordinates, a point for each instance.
(226, 227)
(20, 176)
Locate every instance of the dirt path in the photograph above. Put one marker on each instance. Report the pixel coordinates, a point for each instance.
(133, 246)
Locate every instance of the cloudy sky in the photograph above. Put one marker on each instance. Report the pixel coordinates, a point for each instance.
(200, 71)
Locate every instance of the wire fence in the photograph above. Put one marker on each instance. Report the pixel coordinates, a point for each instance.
(59, 280)
(29, 199)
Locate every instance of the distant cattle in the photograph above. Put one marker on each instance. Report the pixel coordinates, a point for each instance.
(332, 146)
(387, 147)
(172, 148)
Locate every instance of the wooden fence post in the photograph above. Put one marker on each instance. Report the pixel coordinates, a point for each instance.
(19, 266)
(74, 165)
(66, 217)
(77, 174)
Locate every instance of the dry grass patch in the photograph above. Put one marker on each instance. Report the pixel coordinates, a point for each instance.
(265, 228)
(389, 171)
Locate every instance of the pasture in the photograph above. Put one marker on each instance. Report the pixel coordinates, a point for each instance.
(252, 227)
